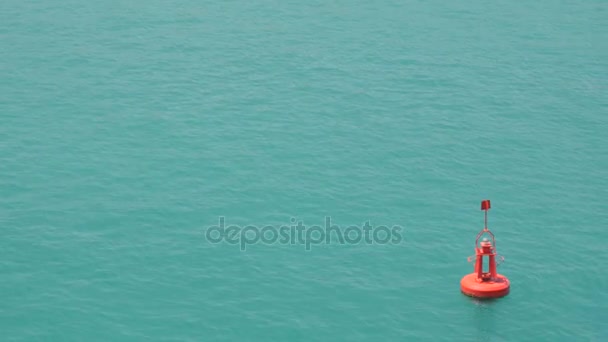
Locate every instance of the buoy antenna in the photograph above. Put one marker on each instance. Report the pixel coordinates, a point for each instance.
(485, 206)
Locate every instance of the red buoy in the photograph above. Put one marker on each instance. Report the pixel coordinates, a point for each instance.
(480, 283)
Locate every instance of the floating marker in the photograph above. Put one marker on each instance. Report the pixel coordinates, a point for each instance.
(482, 284)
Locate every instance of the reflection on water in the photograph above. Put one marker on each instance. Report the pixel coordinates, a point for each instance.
(484, 317)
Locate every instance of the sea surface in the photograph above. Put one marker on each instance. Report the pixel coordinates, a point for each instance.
(129, 128)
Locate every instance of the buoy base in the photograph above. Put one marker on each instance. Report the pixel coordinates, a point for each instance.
(494, 288)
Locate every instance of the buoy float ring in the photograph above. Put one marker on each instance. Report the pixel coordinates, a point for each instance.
(493, 288)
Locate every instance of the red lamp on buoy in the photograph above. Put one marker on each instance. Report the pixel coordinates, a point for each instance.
(480, 283)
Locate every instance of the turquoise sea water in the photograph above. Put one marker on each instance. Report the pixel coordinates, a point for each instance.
(127, 128)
